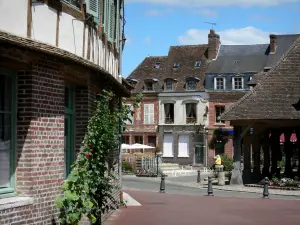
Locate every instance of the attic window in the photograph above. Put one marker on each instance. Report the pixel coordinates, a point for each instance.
(148, 86)
(236, 61)
(191, 84)
(156, 65)
(176, 65)
(169, 84)
(198, 64)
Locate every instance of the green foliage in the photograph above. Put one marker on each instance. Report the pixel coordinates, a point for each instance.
(219, 139)
(89, 187)
(126, 166)
(227, 162)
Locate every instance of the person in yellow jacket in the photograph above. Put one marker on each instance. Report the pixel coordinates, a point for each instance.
(218, 161)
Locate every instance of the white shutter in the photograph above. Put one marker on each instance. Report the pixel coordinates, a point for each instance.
(146, 114)
(151, 113)
(183, 146)
(4, 164)
(168, 146)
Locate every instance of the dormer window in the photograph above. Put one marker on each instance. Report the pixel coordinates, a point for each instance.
(132, 82)
(236, 61)
(176, 65)
(148, 86)
(237, 83)
(169, 84)
(191, 85)
(219, 83)
(198, 64)
(157, 65)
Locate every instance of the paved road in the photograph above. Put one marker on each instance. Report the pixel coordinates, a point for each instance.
(152, 185)
(174, 209)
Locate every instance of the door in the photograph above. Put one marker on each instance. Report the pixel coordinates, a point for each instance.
(199, 154)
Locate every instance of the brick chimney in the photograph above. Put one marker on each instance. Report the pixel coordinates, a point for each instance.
(213, 44)
(273, 43)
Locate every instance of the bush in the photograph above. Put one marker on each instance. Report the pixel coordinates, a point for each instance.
(127, 167)
(227, 162)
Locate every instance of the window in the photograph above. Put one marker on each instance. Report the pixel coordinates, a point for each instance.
(75, 3)
(219, 83)
(148, 113)
(198, 64)
(191, 113)
(157, 65)
(169, 85)
(69, 129)
(138, 140)
(168, 146)
(169, 113)
(183, 146)
(219, 111)
(236, 61)
(176, 65)
(130, 114)
(191, 85)
(7, 133)
(126, 140)
(152, 141)
(237, 83)
(148, 86)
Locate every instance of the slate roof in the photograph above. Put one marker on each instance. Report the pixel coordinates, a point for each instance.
(273, 96)
(38, 46)
(186, 56)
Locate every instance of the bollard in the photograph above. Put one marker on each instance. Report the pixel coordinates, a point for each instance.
(266, 188)
(198, 177)
(209, 187)
(162, 184)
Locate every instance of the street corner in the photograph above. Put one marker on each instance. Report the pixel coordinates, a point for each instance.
(129, 201)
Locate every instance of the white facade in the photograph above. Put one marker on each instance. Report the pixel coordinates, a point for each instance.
(180, 100)
(58, 29)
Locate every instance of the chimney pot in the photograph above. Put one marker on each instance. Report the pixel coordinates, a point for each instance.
(213, 44)
(273, 43)
(212, 31)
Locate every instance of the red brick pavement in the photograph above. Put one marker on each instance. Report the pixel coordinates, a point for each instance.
(167, 209)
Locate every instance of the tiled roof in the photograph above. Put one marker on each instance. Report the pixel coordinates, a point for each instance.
(273, 96)
(34, 45)
(186, 56)
(223, 97)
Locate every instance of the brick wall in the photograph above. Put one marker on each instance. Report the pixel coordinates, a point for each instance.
(212, 125)
(40, 144)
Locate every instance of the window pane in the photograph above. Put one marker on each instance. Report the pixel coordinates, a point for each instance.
(5, 148)
(5, 93)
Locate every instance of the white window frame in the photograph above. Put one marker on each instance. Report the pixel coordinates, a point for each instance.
(233, 83)
(215, 83)
(149, 114)
(196, 63)
(216, 119)
(183, 142)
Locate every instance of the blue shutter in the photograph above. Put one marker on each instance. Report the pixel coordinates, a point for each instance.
(92, 7)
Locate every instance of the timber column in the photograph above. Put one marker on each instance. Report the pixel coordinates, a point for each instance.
(275, 147)
(256, 150)
(266, 148)
(288, 149)
(298, 145)
(247, 158)
(236, 177)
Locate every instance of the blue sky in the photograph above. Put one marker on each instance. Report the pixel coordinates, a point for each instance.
(154, 25)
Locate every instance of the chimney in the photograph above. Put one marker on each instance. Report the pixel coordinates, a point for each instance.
(273, 43)
(213, 44)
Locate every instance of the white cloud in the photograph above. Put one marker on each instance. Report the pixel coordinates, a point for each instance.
(158, 12)
(246, 35)
(259, 17)
(205, 3)
(207, 12)
(148, 40)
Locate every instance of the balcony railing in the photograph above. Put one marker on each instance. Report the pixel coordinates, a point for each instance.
(169, 120)
(190, 120)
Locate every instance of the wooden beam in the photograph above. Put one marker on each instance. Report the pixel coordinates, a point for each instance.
(29, 18)
(57, 28)
(13, 65)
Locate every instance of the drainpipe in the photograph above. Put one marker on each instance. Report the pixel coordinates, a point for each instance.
(205, 142)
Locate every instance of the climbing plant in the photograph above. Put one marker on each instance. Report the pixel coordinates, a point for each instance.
(219, 139)
(88, 188)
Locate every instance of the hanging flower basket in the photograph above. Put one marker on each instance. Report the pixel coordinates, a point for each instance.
(219, 139)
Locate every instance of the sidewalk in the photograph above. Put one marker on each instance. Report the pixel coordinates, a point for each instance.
(238, 188)
(161, 209)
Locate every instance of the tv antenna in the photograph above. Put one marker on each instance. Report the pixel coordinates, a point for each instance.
(212, 24)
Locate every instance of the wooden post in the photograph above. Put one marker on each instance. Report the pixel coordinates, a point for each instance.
(246, 159)
(275, 146)
(236, 177)
(266, 149)
(288, 149)
(256, 149)
(298, 144)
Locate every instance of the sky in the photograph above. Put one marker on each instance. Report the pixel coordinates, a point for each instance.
(152, 26)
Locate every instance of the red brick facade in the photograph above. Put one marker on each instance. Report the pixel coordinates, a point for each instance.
(39, 162)
(138, 128)
(213, 125)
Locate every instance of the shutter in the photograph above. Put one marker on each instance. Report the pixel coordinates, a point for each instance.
(111, 25)
(183, 146)
(93, 7)
(4, 164)
(146, 114)
(168, 146)
(118, 25)
(151, 113)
